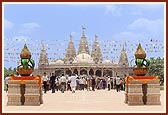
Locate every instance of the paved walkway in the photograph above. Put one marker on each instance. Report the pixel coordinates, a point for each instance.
(99, 101)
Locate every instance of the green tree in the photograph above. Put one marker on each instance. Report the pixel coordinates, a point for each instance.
(156, 68)
(9, 71)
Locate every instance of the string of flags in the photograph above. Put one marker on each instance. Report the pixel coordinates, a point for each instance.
(57, 48)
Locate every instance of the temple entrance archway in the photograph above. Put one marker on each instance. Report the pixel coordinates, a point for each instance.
(58, 72)
(91, 72)
(68, 72)
(75, 71)
(83, 71)
(107, 72)
(98, 73)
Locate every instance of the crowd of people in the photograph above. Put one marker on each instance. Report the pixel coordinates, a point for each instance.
(83, 82)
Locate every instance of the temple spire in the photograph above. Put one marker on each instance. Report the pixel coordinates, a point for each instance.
(123, 60)
(96, 52)
(83, 46)
(43, 61)
(70, 54)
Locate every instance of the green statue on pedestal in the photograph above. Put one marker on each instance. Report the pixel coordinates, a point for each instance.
(27, 64)
(142, 64)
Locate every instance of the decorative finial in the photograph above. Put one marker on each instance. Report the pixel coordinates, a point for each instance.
(96, 38)
(142, 65)
(83, 28)
(27, 64)
(70, 37)
(42, 46)
(25, 53)
(140, 53)
(123, 47)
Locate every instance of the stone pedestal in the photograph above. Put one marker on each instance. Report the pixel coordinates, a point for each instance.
(135, 94)
(14, 96)
(135, 99)
(153, 93)
(153, 99)
(142, 90)
(32, 92)
(41, 96)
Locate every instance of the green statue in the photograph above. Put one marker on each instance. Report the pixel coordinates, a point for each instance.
(142, 64)
(27, 64)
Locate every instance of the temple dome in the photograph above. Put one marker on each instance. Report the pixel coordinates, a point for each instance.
(59, 61)
(83, 58)
(115, 63)
(53, 62)
(107, 62)
(56, 62)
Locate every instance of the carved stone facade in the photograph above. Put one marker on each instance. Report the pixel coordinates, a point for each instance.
(83, 62)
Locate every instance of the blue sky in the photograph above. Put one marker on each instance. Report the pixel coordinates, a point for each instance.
(115, 24)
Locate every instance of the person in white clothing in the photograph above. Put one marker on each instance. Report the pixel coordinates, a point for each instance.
(63, 83)
(45, 79)
(73, 82)
(118, 81)
(109, 83)
(6, 82)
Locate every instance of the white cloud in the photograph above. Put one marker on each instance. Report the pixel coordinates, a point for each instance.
(28, 28)
(30, 25)
(149, 6)
(113, 9)
(142, 29)
(128, 35)
(143, 24)
(140, 9)
(8, 24)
